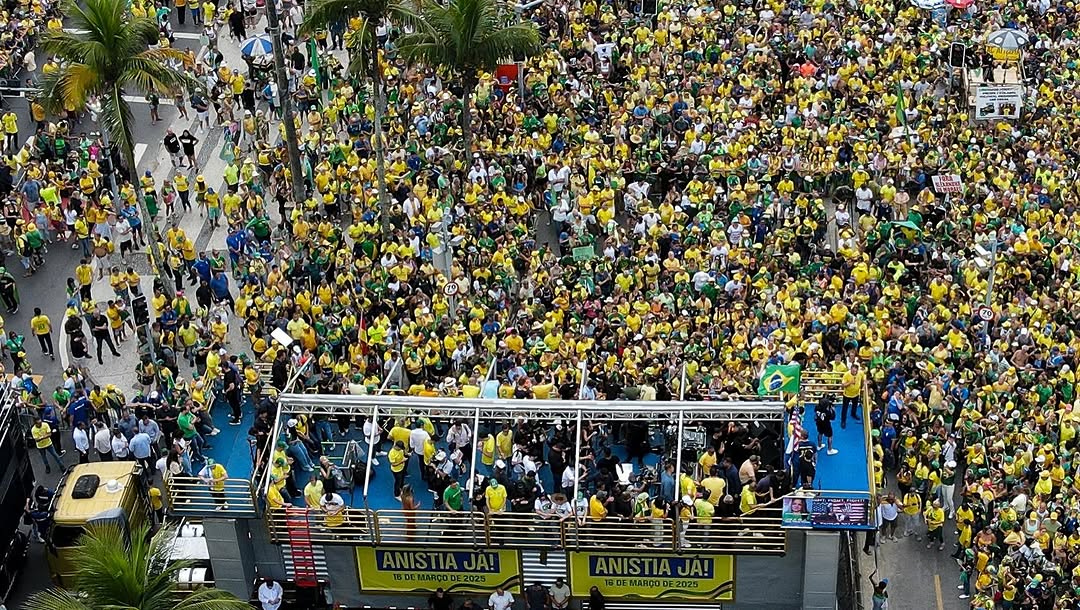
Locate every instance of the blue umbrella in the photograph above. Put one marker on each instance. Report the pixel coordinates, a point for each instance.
(257, 46)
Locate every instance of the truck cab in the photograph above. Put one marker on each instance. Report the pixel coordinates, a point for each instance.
(92, 494)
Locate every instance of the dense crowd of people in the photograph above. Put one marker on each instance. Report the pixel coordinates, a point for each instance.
(718, 186)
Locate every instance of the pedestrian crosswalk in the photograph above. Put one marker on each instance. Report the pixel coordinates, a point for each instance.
(177, 35)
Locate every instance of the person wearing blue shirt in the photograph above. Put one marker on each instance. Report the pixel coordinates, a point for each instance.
(237, 242)
(140, 449)
(168, 318)
(131, 213)
(79, 410)
(667, 481)
(219, 287)
(201, 266)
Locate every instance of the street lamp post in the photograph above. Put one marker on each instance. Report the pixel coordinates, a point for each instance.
(990, 286)
(299, 192)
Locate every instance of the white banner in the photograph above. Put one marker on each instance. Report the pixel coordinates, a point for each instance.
(948, 183)
(998, 101)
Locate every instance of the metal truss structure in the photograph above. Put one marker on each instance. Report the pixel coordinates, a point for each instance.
(681, 413)
(503, 409)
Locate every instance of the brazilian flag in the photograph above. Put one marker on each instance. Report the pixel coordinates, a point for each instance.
(780, 378)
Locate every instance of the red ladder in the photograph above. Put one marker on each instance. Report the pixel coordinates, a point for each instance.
(303, 558)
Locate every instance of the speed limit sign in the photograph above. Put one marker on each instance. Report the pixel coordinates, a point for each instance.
(450, 289)
(986, 314)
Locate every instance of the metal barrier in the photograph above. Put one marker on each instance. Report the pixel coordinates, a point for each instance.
(428, 527)
(754, 534)
(523, 530)
(615, 534)
(355, 526)
(815, 383)
(191, 497)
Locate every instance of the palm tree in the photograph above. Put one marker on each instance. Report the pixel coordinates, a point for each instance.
(467, 37)
(111, 58)
(117, 573)
(363, 48)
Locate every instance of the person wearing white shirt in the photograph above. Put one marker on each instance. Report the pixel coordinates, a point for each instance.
(559, 595)
(459, 437)
(82, 442)
(501, 599)
(270, 593)
(417, 438)
(119, 445)
(567, 481)
(103, 443)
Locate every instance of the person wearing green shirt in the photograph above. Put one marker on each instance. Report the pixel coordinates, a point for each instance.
(452, 497)
(186, 422)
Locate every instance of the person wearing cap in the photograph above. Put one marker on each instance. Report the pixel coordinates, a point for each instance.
(214, 475)
(495, 496)
(935, 521)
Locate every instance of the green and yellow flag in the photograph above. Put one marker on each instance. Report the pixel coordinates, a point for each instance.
(780, 378)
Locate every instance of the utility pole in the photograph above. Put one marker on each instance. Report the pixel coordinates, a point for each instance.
(990, 286)
(448, 256)
(519, 10)
(299, 192)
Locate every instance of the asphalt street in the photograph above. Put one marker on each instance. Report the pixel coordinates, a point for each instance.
(919, 577)
(46, 288)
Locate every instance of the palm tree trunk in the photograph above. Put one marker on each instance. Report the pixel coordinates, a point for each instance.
(380, 147)
(468, 86)
(154, 235)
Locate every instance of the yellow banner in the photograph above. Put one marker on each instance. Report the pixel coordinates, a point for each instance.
(1001, 54)
(396, 570)
(639, 576)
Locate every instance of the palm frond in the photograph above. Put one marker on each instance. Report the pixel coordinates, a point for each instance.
(76, 48)
(77, 83)
(468, 35)
(55, 599)
(358, 42)
(499, 44)
(405, 13)
(149, 72)
(50, 94)
(211, 599)
(115, 117)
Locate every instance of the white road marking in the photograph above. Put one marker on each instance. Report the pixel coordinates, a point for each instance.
(177, 35)
(140, 150)
(140, 99)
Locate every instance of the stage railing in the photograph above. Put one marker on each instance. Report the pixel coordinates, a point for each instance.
(757, 533)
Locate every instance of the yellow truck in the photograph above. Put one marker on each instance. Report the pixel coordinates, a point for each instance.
(95, 493)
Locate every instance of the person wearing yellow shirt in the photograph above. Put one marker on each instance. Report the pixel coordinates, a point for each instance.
(715, 486)
(398, 461)
(852, 382)
(495, 497)
(935, 522)
(41, 326)
(707, 460)
(84, 274)
(504, 443)
(11, 130)
(42, 434)
(911, 505)
(598, 506)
